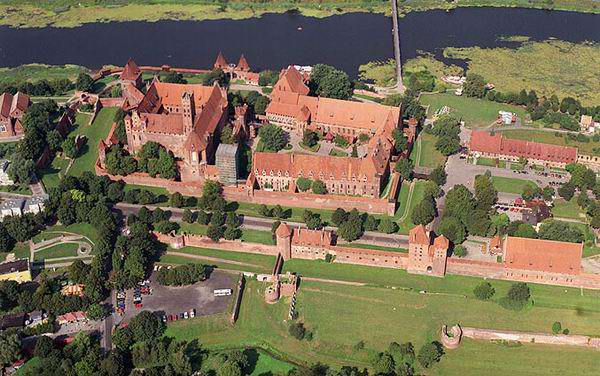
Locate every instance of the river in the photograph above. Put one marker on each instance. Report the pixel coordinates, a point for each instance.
(276, 40)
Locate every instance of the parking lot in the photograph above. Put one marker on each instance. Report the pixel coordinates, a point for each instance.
(166, 300)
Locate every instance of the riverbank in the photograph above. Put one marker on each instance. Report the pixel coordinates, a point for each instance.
(72, 13)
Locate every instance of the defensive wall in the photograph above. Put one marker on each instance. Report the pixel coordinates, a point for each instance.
(147, 68)
(382, 259)
(529, 337)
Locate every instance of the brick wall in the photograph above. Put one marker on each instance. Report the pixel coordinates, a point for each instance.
(527, 337)
(225, 245)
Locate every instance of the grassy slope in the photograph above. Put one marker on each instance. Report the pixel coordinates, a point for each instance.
(252, 262)
(567, 209)
(36, 72)
(84, 229)
(59, 250)
(69, 13)
(549, 138)
(429, 156)
(94, 132)
(475, 112)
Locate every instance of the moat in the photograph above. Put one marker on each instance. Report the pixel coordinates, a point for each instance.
(276, 40)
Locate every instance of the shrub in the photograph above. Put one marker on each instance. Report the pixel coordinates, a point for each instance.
(484, 291)
(182, 275)
(556, 327)
(430, 353)
(297, 330)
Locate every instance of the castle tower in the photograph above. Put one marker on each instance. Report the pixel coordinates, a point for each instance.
(187, 106)
(283, 235)
(438, 255)
(418, 250)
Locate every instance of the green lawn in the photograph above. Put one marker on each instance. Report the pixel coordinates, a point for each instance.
(84, 229)
(510, 185)
(337, 153)
(248, 235)
(335, 315)
(59, 250)
(37, 72)
(268, 365)
(549, 137)
(21, 250)
(95, 132)
(18, 189)
(376, 247)
(490, 162)
(251, 262)
(476, 113)
(426, 153)
(51, 175)
(567, 209)
(418, 192)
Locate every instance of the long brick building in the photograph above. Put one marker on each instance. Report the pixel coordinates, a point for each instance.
(496, 145)
(184, 118)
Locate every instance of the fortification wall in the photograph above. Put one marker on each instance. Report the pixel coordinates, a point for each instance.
(474, 268)
(370, 257)
(527, 337)
(178, 241)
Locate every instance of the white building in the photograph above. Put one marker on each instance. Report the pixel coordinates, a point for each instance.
(20, 206)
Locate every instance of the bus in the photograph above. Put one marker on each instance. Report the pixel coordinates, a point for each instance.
(222, 292)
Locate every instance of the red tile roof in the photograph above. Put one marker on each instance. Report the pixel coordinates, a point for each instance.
(441, 242)
(485, 142)
(220, 63)
(542, 255)
(314, 166)
(131, 71)
(9, 103)
(292, 81)
(243, 64)
(283, 231)
(419, 235)
(304, 236)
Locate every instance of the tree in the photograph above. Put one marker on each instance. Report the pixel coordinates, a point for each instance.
(97, 311)
(227, 136)
(567, 191)
(474, 86)
(485, 193)
(214, 232)
(188, 216)
(460, 203)
(423, 213)
(84, 82)
(384, 364)
(459, 251)
(560, 231)
(54, 139)
(232, 233)
(318, 187)
(339, 216)
(452, 229)
(177, 200)
(297, 330)
(352, 228)
(519, 292)
(6, 241)
(405, 168)
(400, 140)
(216, 75)
(386, 225)
(174, 78)
(21, 170)
(429, 354)
(326, 81)
(260, 105)
(310, 138)
(484, 291)
(438, 175)
(43, 346)
(448, 145)
(354, 153)
(272, 138)
(548, 192)
(10, 348)
(531, 191)
(303, 184)
(166, 227)
(556, 327)
(268, 78)
(78, 271)
(229, 369)
(146, 326)
(525, 230)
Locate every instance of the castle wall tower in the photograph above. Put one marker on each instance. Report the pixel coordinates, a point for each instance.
(439, 255)
(187, 106)
(283, 235)
(418, 250)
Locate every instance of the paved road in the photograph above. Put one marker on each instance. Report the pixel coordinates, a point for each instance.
(264, 224)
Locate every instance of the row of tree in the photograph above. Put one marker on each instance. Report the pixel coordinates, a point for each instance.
(182, 275)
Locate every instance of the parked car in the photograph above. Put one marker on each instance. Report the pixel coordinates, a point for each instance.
(192, 313)
(185, 315)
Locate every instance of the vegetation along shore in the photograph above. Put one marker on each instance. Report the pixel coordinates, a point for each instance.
(72, 13)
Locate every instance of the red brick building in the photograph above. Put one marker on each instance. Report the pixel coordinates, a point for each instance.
(425, 257)
(239, 71)
(131, 74)
(12, 109)
(490, 145)
(184, 118)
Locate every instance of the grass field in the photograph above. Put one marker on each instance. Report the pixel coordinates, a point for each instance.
(406, 207)
(94, 132)
(490, 162)
(21, 250)
(248, 235)
(51, 175)
(549, 137)
(51, 232)
(549, 67)
(36, 72)
(71, 13)
(59, 250)
(237, 260)
(425, 154)
(476, 113)
(567, 209)
(267, 365)
(335, 314)
(510, 185)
